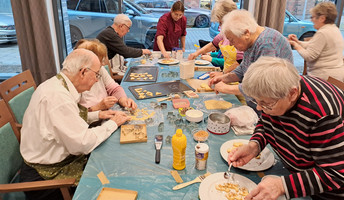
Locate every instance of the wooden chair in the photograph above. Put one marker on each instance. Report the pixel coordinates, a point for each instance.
(17, 92)
(336, 82)
(114, 75)
(304, 62)
(11, 162)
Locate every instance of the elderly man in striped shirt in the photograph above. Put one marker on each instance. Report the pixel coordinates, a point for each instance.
(302, 120)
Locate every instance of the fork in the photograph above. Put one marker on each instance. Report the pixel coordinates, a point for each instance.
(196, 180)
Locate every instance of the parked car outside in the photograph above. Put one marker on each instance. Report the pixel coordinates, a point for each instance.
(87, 18)
(292, 25)
(197, 17)
(7, 29)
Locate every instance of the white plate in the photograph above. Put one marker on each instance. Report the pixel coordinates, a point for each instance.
(170, 61)
(207, 190)
(266, 160)
(202, 62)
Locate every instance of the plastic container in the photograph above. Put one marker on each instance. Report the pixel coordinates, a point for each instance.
(179, 146)
(200, 135)
(194, 115)
(201, 155)
(187, 69)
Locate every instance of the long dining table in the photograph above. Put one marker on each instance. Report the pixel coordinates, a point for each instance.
(132, 166)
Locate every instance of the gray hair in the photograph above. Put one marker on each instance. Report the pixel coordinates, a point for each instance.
(270, 77)
(78, 59)
(121, 19)
(221, 8)
(325, 8)
(238, 22)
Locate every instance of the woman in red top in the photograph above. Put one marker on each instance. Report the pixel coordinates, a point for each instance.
(171, 27)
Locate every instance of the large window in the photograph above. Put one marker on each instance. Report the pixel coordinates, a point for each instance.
(10, 63)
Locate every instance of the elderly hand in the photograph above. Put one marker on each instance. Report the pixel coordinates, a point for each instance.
(270, 188)
(192, 56)
(214, 74)
(215, 80)
(222, 87)
(107, 114)
(295, 45)
(105, 104)
(120, 118)
(293, 37)
(146, 51)
(242, 155)
(206, 57)
(127, 103)
(108, 102)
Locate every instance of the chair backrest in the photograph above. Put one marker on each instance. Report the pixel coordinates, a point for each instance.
(304, 62)
(336, 82)
(10, 157)
(17, 92)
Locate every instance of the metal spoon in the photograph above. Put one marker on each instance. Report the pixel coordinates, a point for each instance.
(227, 174)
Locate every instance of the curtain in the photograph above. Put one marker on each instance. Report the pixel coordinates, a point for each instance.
(34, 38)
(270, 13)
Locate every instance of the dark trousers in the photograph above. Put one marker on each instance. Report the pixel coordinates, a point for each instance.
(29, 174)
(202, 43)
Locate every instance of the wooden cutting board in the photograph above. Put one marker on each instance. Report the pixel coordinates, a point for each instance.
(132, 133)
(196, 84)
(207, 68)
(117, 194)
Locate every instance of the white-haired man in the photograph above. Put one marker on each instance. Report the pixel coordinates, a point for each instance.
(112, 37)
(55, 136)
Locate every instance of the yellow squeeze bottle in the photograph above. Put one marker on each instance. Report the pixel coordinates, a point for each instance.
(179, 147)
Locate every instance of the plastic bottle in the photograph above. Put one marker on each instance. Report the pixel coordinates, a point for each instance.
(179, 147)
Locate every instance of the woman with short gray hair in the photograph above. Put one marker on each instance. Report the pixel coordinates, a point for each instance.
(221, 8)
(302, 120)
(257, 83)
(323, 53)
(241, 29)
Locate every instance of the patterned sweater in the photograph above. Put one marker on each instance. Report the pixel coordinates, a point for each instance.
(309, 138)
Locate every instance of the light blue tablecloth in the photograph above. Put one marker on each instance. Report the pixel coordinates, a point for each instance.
(133, 167)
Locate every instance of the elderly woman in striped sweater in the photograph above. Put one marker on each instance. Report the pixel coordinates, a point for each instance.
(302, 120)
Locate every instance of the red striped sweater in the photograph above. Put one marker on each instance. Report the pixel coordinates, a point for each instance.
(309, 138)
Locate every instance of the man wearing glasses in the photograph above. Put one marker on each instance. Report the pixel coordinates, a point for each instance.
(55, 136)
(112, 37)
(302, 120)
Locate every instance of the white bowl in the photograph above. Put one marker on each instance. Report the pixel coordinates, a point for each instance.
(200, 135)
(194, 115)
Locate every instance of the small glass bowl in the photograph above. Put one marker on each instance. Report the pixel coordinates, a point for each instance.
(200, 135)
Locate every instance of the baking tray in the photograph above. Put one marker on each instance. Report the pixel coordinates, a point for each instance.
(153, 70)
(164, 88)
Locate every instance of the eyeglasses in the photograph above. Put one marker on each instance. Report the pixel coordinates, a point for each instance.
(316, 16)
(97, 73)
(268, 107)
(127, 27)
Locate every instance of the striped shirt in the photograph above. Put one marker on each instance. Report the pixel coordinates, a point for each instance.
(309, 138)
